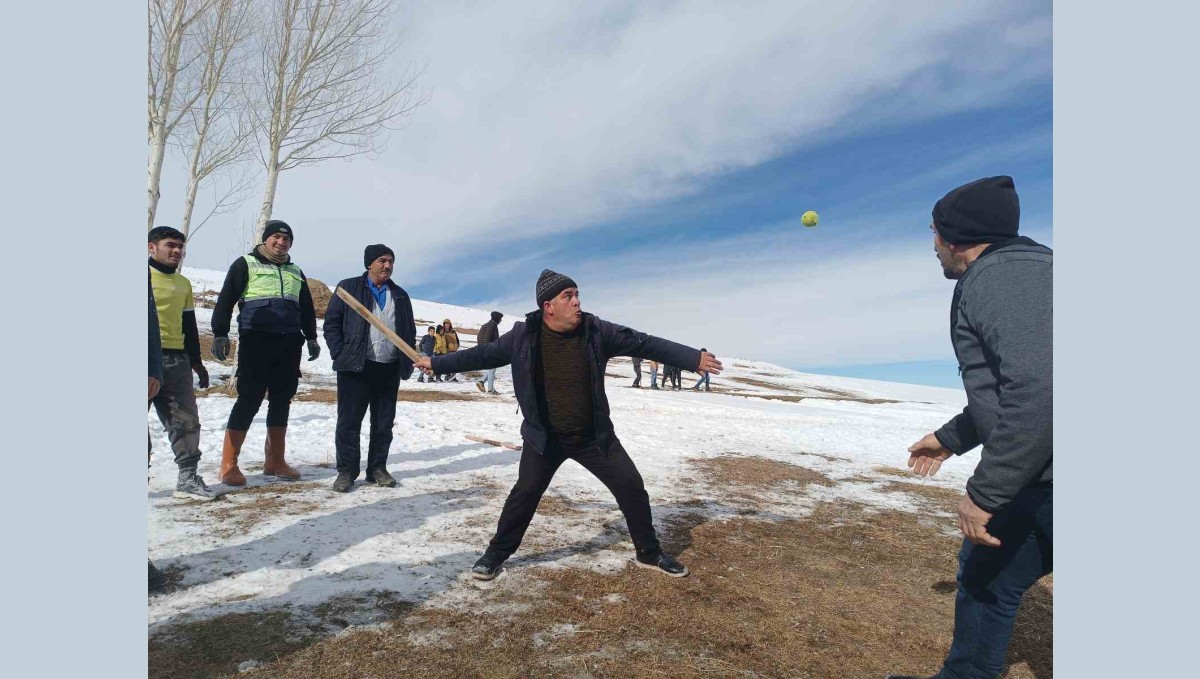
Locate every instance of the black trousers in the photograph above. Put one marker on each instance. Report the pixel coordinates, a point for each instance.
(266, 363)
(374, 388)
(615, 470)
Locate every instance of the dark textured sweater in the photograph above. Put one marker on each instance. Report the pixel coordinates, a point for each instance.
(566, 382)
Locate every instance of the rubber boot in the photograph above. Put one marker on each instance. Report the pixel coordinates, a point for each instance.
(274, 465)
(230, 474)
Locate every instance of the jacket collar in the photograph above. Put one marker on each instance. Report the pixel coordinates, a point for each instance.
(533, 322)
(1007, 243)
(161, 267)
(258, 255)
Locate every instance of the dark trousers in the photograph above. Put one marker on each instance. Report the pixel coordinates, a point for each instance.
(991, 581)
(374, 388)
(176, 408)
(614, 469)
(267, 364)
(637, 370)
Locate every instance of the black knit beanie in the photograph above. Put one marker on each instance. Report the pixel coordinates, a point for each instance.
(374, 252)
(275, 226)
(496, 316)
(549, 284)
(984, 211)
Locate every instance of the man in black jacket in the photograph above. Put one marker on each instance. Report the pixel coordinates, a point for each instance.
(558, 356)
(275, 318)
(1001, 326)
(489, 332)
(369, 367)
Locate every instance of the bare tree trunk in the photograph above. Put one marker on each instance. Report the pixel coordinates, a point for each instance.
(268, 202)
(166, 37)
(322, 79)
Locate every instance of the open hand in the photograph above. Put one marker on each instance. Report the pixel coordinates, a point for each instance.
(709, 364)
(926, 456)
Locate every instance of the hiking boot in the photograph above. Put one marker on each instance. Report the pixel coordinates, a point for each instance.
(479, 385)
(493, 392)
(665, 564)
(343, 482)
(488, 567)
(654, 387)
(157, 580)
(706, 388)
(382, 478)
(189, 485)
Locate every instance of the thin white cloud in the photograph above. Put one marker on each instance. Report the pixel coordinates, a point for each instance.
(773, 296)
(549, 117)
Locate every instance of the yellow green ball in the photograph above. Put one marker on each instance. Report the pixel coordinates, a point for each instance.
(809, 218)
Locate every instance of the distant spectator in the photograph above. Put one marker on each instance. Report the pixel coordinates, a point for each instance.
(450, 335)
(489, 332)
(654, 375)
(439, 349)
(703, 378)
(426, 348)
(637, 370)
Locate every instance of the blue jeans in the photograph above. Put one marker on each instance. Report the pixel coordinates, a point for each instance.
(654, 378)
(703, 380)
(991, 581)
(489, 380)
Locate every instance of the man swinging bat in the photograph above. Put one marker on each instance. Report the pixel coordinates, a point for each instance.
(558, 355)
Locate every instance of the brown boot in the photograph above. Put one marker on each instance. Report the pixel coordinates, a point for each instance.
(274, 450)
(230, 474)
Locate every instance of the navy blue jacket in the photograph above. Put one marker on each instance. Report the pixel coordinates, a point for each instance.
(521, 347)
(427, 343)
(347, 334)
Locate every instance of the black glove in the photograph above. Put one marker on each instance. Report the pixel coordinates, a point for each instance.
(202, 373)
(220, 348)
(314, 350)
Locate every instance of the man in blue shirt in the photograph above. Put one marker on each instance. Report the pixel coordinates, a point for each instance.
(369, 367)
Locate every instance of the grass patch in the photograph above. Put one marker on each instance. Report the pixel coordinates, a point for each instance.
(215, 647)
(258, 504)
(844, 593)
(746, 480)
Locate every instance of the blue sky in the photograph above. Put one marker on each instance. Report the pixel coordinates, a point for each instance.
(661, 153)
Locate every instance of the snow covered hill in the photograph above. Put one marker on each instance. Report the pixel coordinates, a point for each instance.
(295, 546)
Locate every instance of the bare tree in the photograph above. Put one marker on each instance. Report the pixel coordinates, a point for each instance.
(168, 23)
(217, 133)
(325, 95)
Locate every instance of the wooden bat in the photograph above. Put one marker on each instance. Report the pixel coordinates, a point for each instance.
(492, 442)
(373, 320)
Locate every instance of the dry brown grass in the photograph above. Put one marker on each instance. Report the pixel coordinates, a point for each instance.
(944, 498)
(746, 482)
(757, 472)
(846, 592)
(248, 507)
(321, 294)
(403, 396)
(215, 647)
(758, 383)
(843, 593)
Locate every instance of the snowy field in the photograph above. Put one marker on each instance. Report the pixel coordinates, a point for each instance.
(275, 544)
